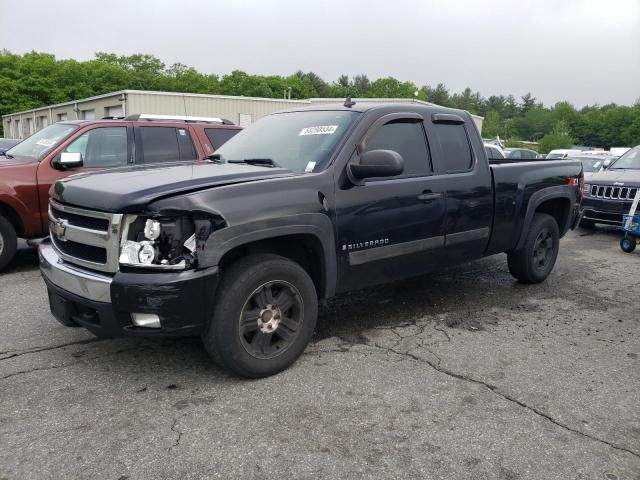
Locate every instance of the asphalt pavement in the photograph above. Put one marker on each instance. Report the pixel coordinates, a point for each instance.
(461, 375)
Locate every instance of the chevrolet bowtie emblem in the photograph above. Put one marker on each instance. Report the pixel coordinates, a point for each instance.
(59, 229)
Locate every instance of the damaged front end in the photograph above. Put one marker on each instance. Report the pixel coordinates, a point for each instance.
(166, 240)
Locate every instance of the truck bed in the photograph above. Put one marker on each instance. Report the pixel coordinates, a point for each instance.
(514, 184)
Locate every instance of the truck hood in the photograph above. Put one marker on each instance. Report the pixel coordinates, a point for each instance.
(622, 178)
(131, 188)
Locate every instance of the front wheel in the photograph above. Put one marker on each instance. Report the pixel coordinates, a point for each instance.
(264, 316)
(628, 244)
(535, 260)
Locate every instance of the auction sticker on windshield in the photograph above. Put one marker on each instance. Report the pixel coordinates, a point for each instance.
(46, 142)
(319, 130)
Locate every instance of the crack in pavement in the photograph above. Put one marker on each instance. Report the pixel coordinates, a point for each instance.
(492, 388)
(179, 432)
(84, 360)
(17, 353)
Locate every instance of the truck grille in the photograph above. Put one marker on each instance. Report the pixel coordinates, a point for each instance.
(86, 238)
(612, 192)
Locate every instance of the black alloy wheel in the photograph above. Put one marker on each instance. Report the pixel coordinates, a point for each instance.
(271, 319)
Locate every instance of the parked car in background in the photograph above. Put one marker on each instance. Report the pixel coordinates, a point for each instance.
(30, 168)
(300, 206)
(520, 154)
(7, 143)
(592, 163)
(606, 156)
(562, 153)
(609, 194)
(494, 152)
(618, 151)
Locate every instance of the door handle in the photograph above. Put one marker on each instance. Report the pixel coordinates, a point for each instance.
(428, 196)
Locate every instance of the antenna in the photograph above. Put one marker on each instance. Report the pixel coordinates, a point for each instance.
(349, 103)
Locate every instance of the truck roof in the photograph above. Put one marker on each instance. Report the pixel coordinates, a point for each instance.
(362, 107)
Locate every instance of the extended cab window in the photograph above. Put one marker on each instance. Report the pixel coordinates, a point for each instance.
(406, 138)
(219, 136)
(454, 145)
(165, 144)
(101, 147)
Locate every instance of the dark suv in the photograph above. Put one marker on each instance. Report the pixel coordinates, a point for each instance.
(609, 194)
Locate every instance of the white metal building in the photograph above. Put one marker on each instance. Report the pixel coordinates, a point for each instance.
(240, 110)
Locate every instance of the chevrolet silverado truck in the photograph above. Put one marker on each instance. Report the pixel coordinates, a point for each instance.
(609, 194)
(296, 208)
(28, 170)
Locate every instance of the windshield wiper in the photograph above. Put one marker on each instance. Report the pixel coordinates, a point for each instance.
(262, 162)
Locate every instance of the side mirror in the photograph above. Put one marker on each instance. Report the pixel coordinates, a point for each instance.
(377, 163)
(68, 160)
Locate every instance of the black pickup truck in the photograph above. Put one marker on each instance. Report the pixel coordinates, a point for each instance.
(299, 207)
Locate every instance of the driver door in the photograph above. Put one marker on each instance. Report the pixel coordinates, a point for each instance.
(391, 228)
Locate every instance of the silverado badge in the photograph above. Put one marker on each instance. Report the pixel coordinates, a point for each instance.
(59, 229)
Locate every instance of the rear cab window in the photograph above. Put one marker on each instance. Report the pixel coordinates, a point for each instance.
(455, 148)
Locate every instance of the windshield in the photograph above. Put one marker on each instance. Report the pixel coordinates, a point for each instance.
(552, 156)
(591, 164)
(297, 140)
(630, 160)
(41, 142)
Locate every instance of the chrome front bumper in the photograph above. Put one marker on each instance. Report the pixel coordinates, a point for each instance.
(81, 282)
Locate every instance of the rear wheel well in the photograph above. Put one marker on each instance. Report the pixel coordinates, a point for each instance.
(304, 249)
(558, 208)
(10, 214)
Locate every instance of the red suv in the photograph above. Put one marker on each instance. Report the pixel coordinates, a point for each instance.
(28, 170)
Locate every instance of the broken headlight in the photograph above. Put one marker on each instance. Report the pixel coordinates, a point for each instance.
(167, 243)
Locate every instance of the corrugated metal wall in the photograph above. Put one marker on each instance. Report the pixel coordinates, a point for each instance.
(240, 110)
(232, 108)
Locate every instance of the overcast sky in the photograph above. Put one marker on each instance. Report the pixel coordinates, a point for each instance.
(583, 51)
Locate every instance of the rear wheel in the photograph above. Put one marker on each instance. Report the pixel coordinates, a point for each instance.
(8, 242)
(535, 260)
(264, 316)
(628, 244)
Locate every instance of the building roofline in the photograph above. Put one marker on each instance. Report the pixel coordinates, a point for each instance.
(155, 92)
(309, 101)
(207, 95)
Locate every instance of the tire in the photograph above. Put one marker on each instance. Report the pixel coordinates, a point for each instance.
(535, 260)
(249, 333)
(587, 224)
(8, 242)
(628, 244)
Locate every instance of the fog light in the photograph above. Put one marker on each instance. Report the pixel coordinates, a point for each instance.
(146, 320)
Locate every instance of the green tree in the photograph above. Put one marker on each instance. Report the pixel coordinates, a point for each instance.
(559, 137)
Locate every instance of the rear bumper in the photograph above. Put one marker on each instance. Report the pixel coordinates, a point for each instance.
(103, 304)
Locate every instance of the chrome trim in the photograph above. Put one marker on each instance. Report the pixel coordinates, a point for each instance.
(109, 240)
(389, 251)
(452, 239)
(85, 284)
